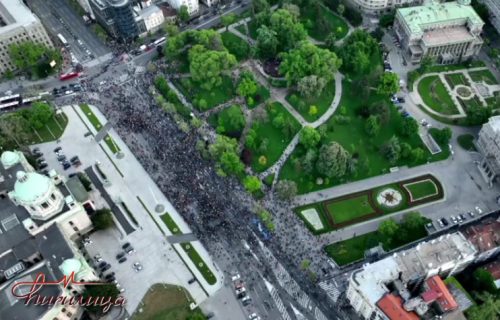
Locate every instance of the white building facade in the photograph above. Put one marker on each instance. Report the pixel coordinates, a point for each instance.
(488, 144)
(18, 24)
(193, 6)
(381, 6)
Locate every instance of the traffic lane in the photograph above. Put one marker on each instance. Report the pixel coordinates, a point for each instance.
(205, 24)
(78, 27)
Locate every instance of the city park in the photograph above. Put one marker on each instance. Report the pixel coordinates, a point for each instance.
(299, 106)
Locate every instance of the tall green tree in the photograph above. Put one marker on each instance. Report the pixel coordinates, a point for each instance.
(99, 290)
(357, 51)
(267, 42)
(35, 58)
(388, 83)
(372, 125)
(306, 60)
(388, 229)
(252, 184)
(247, 87)
(311, 86)
(102, 219)
(488, 309)
(309, 137)
(183, 13)
(333, 160)
(392, 150)
(228, 19)
(207, 66)
(39, 114)
(289, 30)
(286, 189)
(409, 127)
(260, 6)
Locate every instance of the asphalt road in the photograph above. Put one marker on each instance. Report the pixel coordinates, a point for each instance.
(59, 17)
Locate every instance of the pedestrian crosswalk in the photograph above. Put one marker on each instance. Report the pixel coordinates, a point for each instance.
(277, 300)
(331, 290)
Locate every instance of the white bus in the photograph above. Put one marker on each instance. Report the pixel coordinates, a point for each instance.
(62, 39)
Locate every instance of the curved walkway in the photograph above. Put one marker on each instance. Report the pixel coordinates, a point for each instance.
(417, 99)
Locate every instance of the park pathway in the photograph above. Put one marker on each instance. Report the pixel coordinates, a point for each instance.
(276, 167)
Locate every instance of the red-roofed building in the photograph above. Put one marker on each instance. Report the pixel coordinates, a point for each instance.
(445, 300)
(486, 238)
(392, 307)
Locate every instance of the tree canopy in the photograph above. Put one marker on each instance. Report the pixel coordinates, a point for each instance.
(289, 30)
(34, 58)
(306, 60)
(206, 66)
(357, 51)
(309, 137)
(267, 42)
(333, 160)
(102, 219)
(388, 84)
(38, 115)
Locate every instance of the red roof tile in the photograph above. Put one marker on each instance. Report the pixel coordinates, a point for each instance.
(446, 300)
(430, 296)
(392, 306)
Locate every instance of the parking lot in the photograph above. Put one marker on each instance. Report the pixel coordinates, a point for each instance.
(59, 18)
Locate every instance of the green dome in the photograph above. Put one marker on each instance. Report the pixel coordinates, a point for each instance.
(30, 186)
(9, 159)
(70, 265)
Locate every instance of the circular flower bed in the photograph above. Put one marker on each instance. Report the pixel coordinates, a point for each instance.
(464, 92)
(389, 198)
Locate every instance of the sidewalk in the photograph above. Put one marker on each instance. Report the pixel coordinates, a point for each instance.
(146, 189)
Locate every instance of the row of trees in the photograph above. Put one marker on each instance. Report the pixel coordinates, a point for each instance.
(395, 234)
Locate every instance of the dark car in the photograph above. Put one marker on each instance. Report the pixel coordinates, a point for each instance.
(45, 172)
(109, 275)
(61, 157)
(241, 295)
(37, 154)
(73, 159)
(462, 216)
(122, 260)
(401, 100)
(106, 267)
(192, 280)
(77, 163)
(120, 255)
(57, 149)
(445, 222)
(40, 160)
(102, 264)
(129, 249)
(66, 165)
(126, 245)
(110, 279)
(71, 175)
(43, 165)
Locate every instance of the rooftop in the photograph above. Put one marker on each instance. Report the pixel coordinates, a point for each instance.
(485, 236)
(371, 279)
(447, 36)
(416, 262)
(444, 299)
(419, 17)
(14, 13)
(392, 306)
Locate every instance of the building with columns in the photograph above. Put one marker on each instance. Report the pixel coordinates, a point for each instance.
(448, 32)
(488, 144)
(40, 220)
(381, 6)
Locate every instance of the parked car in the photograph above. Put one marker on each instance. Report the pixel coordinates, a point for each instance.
(445, 222)
(441, 224)
(61, 158)
(102, 264)
(66, 166)
(191, 281)
(43, 165)
(56, 150)
(235, 277)
(122, 260)
(97, 258)
(453, 219)
(462, 216)
(106, 267)
(471, 214)
(73, 159)
(120, 255)
(478, 210)
(240, 290)
(137, 266)
(127, 244)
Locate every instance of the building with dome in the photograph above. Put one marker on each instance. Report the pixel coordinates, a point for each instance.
(39, 222)
(448, 32)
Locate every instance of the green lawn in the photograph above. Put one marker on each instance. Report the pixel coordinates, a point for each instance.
(166, 302)
(191, 252)
(455, 79)
(471, 103)
(53, 129)
(349, 209)
(353, 249)
(421, 189)
(214, 97)
(199, 263)
(277, 140)
(236, 45)
(309, 18)
(466, 142)
(352, 136)
(434, 94)
(97, 125)
(483, 75)
(170, 223)
(322, 102)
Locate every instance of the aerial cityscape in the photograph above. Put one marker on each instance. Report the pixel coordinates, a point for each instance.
(249, 159)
